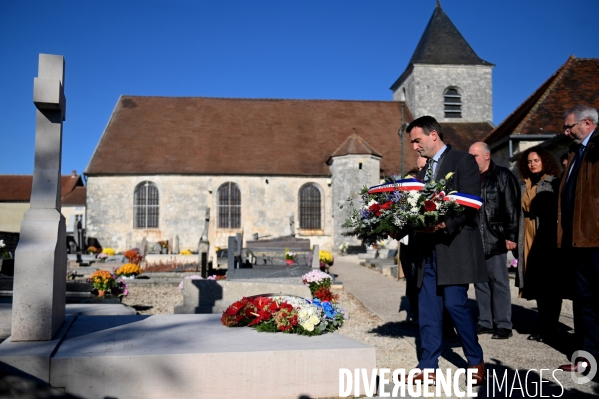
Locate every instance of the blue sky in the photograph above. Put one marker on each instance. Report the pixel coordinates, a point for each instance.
(309, 49)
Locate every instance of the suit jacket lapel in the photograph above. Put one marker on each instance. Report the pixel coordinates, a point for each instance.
(438, 170)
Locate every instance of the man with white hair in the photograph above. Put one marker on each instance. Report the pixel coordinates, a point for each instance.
(498, 220)
(578, 224)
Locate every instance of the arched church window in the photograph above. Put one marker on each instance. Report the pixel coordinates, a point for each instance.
(309, 207)
(146, 206)
(229, 206)
(452, 100)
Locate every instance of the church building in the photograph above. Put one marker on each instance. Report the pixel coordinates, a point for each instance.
(273, 167)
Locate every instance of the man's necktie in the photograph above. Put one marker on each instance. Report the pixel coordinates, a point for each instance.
(429, 171)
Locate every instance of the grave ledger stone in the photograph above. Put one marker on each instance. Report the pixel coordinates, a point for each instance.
(41, 256)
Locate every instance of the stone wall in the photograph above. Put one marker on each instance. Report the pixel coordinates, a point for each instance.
(350, 173)
(267, 202)
(11, 215)
(425, 86)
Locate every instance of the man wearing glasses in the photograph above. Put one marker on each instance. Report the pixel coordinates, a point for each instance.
(578, 223)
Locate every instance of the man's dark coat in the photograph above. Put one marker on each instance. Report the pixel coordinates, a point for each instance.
(459, 248)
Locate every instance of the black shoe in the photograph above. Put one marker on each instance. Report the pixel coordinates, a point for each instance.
(483, 330)
(502, 333)
(535, 337)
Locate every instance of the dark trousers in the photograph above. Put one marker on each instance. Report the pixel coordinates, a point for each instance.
(586, 297)
(550, 307)
(409, 271)
(494, 298)
(432, 299)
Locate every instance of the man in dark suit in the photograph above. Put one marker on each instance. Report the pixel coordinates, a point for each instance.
(450, 254)
(578, 225)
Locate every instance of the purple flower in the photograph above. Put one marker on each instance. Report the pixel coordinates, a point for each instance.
(365, 213)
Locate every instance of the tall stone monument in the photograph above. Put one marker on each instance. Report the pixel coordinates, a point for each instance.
(39, 290)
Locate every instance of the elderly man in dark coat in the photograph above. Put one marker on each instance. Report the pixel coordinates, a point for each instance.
(578, 224)
(450, 255)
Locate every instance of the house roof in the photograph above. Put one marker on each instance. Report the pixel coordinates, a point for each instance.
(355, 144)
(462, 135)
(442, 44)
(575, 82)
(198, 135)
(17, 188)
(75, 197)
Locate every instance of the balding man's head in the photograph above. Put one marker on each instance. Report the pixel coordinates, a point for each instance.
(482, 154)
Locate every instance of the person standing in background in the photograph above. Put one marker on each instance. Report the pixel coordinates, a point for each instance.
(498, 220)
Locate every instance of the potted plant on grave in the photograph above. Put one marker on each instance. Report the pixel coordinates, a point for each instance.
(163, 247)
(7, 263)
(133, 256)
(289, 257)
(128, 271)
(92, 250)
(109, 251)
(102, 281)
(326, 260)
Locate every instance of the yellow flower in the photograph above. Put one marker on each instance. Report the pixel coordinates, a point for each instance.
(326, 257)
(129, 269)
(109, 251)
(185, 252)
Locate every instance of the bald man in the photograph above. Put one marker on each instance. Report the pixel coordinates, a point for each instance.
(498, 220)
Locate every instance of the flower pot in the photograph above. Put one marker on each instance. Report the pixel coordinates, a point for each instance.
(131, 277)
(289, 261)
(8, 267)
(101, 293)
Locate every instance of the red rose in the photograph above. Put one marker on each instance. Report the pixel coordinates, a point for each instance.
(429, 206)
(374, 208)
(387, 205)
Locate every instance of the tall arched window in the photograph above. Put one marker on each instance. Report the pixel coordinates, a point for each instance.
(452, 100)
(146, 206)
(309, 207)
(229, 206)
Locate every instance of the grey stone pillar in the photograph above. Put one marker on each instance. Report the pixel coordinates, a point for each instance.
(39, 290)
(349, 173)
(316, 257)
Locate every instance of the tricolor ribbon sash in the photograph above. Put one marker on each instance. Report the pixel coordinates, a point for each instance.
(412, 184)
(401, 185)
(466, 200)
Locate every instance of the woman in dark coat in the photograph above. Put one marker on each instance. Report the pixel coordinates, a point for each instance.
(538, 266)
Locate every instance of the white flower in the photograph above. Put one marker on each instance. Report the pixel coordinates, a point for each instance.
(2, 244)
(307, 326)
(371, 203)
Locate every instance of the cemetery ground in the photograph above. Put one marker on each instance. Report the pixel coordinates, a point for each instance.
(376, 305)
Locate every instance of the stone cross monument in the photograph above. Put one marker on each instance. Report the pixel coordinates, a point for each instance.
(39, 292)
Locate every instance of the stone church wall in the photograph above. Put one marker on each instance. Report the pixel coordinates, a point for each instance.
(267, 202)
(425, 86)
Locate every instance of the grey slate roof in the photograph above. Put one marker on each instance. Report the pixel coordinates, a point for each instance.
(442, 44)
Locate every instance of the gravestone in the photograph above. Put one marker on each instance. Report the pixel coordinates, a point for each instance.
(176, 251)
(316, 257)
(41, 258)
(269, 259)
(143, 248)
(76, 236)
(204, 245)
(156, 248)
